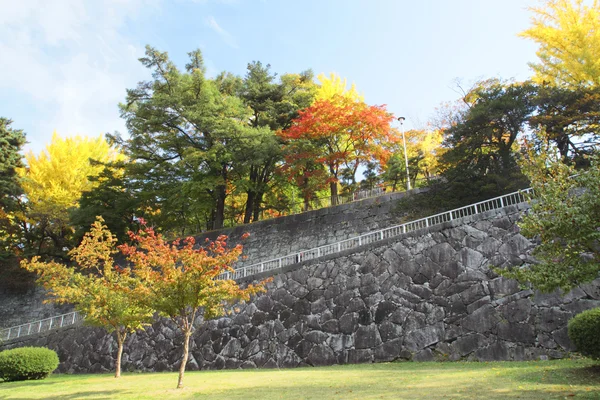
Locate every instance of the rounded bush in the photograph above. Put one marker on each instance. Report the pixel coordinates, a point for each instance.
(584, 332)
(26, 363)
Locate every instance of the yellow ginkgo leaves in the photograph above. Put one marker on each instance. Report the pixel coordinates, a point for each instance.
(54, 180)
(334, 85)
(568, 35)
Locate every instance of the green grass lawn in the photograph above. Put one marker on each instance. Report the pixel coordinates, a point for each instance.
(495, 380)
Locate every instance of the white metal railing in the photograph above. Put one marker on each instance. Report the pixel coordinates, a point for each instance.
(311, 254)
(42, 325)
(371, 237)
(322, 202)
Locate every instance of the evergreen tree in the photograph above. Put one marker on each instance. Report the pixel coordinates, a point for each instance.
(11, 143)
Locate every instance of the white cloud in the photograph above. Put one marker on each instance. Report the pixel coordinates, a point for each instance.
(71, 60)
(226, 36)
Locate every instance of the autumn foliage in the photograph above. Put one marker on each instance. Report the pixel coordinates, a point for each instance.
(178, 280)
(568, 39)
(107, 294)
(181, 281)
(335, 133)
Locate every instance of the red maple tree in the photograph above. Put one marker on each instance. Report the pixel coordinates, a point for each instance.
(181, 280)
(338, 132)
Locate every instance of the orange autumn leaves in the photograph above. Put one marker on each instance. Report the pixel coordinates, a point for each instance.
(334, 133)
(178, 280)
(181, 281)
(180, 275)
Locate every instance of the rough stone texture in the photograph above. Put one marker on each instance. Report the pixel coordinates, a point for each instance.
(20, 308)
(428, 295)
(285, 235)
(268, 239)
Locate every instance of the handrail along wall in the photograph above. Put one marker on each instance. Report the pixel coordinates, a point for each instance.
(496, 203)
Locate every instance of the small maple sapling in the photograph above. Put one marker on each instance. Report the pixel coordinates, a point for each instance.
(181, 280)
(105, 293)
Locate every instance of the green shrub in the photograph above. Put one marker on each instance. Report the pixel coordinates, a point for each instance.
(27, 363)
(584, 332)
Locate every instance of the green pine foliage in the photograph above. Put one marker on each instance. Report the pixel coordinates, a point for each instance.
(11, 143)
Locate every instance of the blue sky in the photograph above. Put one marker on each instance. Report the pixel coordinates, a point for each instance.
(65, 64)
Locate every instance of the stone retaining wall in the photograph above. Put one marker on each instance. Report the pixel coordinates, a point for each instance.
(277, 237)
(20, 308)
(268, 239)
(428, 295)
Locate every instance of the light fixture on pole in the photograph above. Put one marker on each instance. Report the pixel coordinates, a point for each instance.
(401, 120)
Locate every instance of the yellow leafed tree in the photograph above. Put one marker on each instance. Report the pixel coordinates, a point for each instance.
(430, 146)
(55, 179)
(53, 182)
(568, 35)
(334, 85)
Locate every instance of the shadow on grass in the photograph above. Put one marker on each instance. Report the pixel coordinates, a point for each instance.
(33, 382)
(588, 375)
(99, 395)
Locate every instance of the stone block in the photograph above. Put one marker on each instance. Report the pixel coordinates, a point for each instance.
(478, 304)
(388, 351)
(517, 332)
(441, 253)
(367, 337)
(331, 326)
(360, 356)
(581, 305)
(489, 247)
(424, 355)
(340, 342)
(473, 293)
(389, 331)
(384, 310)
(517, 311)
(494, 352)
(482, 320)
(465, 345)
(316, 336)
(550, 319)
(561, 336)
(419, 339)
(321, 355)
(592, 289)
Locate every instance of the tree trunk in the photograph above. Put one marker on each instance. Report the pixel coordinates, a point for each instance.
(334, 193)
(258, 196)
(186, 349)
(120, 340)
(253, 178)
(221, 192)
(562, 143)
(249, 207)
(505, 157)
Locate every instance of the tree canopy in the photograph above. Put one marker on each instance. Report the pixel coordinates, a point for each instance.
(181, 281)
(343, 132)
(481, 158)
(207, 151)
(104, 292)
(568, 35)
(11, 143)
(564, 215)
(53, 182)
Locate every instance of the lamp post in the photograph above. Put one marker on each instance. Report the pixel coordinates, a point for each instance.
(401, 120)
